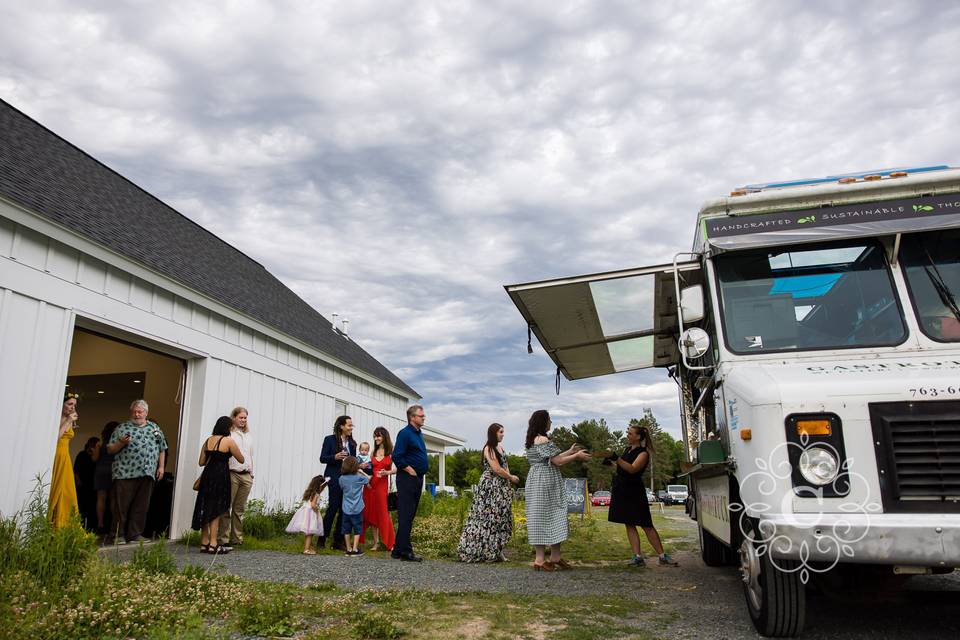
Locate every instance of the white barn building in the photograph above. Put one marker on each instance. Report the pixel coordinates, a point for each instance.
(110, 293)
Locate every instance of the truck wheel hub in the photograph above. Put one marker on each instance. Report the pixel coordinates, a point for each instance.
(750, 573)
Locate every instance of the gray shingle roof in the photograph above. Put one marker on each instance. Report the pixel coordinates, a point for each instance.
(46, 174)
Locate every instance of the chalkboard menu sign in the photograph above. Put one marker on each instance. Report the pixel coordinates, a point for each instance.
(576, 490)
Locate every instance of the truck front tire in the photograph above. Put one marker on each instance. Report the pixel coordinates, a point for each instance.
(776, 597)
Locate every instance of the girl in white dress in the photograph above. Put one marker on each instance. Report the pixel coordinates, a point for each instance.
(307, 520)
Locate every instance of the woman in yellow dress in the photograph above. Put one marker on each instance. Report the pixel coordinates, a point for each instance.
(63, 489)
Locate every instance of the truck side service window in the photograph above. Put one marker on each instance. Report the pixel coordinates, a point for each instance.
(817, 296)
(932, 264)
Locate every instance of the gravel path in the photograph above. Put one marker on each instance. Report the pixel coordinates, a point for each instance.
(705, 602)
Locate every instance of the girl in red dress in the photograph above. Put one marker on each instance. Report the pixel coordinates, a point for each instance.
(375, 513)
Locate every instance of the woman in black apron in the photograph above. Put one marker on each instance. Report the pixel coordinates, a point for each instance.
(628, 499)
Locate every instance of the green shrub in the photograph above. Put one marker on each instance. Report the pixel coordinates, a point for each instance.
(447, 505)
(425, 508)
(263, 523)
(29, 542)
(376, 626)
(154, 558)
(266, 615)
(437, 536)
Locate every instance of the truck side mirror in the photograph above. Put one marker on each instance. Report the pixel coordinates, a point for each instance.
(694, 343)
(691, 303)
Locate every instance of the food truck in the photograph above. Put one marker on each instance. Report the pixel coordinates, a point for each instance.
(814, 333)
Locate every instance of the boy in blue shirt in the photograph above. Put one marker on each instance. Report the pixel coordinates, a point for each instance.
(352, 481)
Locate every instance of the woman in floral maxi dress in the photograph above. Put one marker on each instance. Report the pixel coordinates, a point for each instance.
(490, 524)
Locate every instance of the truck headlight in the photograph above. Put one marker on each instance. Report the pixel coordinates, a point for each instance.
(818, 466)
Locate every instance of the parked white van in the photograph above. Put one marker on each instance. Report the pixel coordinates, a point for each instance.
(814, 331)
(677, 494)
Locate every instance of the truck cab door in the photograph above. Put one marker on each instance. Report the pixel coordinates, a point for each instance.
(602, 323)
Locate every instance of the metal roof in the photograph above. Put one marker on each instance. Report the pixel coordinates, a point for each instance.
(44, 173)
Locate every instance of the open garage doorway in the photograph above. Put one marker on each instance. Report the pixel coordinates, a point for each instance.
(108, 374)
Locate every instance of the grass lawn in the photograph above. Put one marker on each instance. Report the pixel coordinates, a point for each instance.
(122, 601)
(53, 585)
(593, 540)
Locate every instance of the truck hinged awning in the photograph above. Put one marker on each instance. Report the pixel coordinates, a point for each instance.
(733, 232)
(602, 323)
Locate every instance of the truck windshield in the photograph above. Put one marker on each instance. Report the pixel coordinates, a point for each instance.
(822, 296)
(932, 264)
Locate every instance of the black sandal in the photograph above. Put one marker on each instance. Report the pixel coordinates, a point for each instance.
(205, 548)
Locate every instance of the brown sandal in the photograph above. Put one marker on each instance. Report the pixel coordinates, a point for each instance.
(563, 565)
(546, 566)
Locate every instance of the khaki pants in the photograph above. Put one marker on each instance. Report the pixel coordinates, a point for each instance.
(231, 522)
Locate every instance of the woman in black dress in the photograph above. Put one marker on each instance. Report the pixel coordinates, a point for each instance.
(103, 481)
(213, 494)
(628, 497)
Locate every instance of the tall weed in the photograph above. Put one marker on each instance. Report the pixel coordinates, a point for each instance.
(154, 558)
(29, 542)
(264, 522)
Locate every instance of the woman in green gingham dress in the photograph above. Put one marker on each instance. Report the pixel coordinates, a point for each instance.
(546, 503)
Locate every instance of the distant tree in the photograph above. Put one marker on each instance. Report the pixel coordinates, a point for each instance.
(519, 466)
(596, 437)
(473, 476)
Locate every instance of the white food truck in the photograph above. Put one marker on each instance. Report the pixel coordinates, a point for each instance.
(814, 332)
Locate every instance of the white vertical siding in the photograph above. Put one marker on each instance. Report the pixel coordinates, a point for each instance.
(34, 343)
(290, 393)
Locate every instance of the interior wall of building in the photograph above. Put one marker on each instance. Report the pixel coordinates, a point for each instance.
(92, 354)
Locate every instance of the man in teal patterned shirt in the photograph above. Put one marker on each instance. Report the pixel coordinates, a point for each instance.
(140, 452)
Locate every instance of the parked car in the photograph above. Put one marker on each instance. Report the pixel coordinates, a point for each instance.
(650, 497)
(600, 499)
(676, 494)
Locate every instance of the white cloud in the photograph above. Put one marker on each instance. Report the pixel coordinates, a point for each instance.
(398, 162)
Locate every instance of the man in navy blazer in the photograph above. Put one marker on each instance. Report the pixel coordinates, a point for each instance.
(336, 447)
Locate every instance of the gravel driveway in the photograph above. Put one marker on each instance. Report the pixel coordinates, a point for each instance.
(706, 602)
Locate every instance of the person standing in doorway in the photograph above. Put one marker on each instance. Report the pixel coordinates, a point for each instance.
(84, 467)
(336, 448)
(63, 489)
(140, 451)
(410, 459)
(103, 480)
(241, 481)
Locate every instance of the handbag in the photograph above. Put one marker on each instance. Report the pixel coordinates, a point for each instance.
(392, 494)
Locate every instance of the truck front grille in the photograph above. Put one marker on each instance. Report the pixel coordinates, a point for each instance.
(918, 454)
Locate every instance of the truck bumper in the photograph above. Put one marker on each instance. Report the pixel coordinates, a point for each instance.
(930, 540)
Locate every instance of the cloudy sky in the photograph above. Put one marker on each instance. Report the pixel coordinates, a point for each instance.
(399, 162)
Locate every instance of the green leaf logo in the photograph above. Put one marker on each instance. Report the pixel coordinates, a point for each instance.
(922, 207)
(807, 219)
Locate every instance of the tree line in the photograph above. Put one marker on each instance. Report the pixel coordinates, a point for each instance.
(463, 467)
